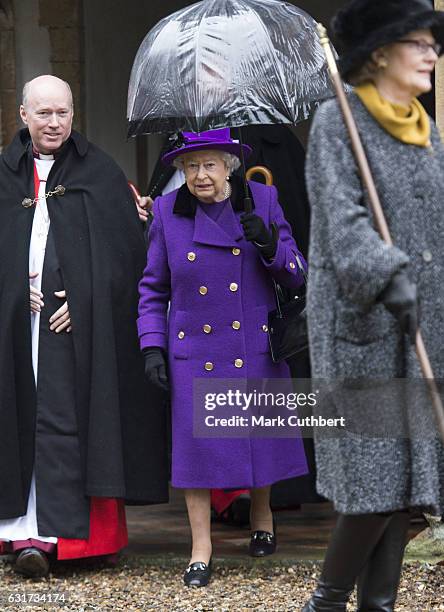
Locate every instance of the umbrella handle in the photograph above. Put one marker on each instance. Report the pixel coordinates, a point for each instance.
(261, 170)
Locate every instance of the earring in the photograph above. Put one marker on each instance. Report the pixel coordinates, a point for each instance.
(382, 63)
(227, 189)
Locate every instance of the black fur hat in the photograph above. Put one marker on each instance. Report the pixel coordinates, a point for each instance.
(363, 26)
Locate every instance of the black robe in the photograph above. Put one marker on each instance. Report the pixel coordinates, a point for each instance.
(101, 254)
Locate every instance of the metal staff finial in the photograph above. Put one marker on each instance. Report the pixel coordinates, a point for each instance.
(325, 42)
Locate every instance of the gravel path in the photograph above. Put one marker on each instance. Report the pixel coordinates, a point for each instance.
(140, 584)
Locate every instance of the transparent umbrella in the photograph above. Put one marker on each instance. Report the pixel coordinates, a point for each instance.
(227, 63)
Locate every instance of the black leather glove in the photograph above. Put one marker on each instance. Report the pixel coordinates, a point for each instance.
(399, 297)
(255, 231)
(155, 367)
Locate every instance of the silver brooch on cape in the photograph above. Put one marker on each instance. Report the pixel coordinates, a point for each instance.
(59, 190)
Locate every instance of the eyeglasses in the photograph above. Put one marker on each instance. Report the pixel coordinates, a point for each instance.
(422, 46)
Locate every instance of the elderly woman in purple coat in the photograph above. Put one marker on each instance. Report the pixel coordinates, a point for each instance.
(204, 301)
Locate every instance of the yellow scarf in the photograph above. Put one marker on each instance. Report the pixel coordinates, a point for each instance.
(410, 125)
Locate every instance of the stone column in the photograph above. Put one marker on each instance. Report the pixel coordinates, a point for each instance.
(8, 110)
(64, 21)
(439, 5)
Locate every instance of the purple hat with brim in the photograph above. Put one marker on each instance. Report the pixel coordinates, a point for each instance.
(220, 140)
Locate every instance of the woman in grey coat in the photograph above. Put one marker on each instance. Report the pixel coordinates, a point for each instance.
(365, 298)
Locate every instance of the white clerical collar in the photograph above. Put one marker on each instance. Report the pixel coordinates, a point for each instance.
(37, 155)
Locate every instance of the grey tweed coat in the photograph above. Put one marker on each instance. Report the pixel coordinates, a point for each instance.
(388, 457)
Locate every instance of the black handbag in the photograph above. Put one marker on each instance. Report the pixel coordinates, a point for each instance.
(287, 325)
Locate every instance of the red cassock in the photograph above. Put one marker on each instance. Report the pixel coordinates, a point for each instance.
(221, 500)
(107, 531)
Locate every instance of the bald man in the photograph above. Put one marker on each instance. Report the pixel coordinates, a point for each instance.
(77, 437)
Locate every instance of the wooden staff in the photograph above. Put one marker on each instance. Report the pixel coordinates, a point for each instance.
(375, 203)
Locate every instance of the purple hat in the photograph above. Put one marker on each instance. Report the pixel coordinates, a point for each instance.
(215, 139)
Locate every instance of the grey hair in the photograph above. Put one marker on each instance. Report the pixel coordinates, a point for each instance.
(27, 87)
(231, 161)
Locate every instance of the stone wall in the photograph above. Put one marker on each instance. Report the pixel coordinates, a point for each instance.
(91, 44)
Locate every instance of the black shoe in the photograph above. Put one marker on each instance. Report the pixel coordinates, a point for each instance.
(197, 574)
(32, 562)
(263, 543)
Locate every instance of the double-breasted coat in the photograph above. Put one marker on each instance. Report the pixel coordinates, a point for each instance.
(219, 291)
(390, 456)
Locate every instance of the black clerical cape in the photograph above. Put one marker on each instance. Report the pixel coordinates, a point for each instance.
(98, 251)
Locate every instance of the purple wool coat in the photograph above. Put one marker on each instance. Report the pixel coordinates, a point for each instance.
(209, 275)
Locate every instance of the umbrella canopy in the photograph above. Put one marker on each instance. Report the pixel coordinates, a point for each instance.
(224, 63)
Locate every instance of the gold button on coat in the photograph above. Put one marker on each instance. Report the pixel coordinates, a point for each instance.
(234, 287)
(191, 256)
(292, 265)
(238, 363)
(236, 251)
(207, 328)
(265, 328)
(209, 366)
(181, 335)
(203, 290)
(236, 325)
